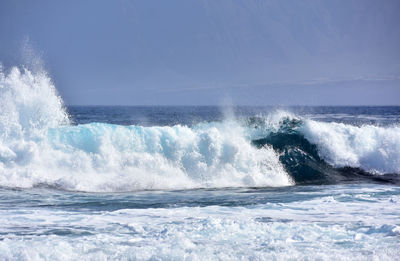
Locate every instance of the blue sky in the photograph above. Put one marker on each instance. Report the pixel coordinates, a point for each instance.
(186, 52)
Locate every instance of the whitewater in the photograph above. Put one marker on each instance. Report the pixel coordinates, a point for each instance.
(195, 183)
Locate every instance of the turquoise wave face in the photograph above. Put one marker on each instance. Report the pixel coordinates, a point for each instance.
(207, 155)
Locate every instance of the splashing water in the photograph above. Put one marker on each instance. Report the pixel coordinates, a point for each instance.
(39, 147)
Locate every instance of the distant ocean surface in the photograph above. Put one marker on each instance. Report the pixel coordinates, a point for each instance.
(194, 183)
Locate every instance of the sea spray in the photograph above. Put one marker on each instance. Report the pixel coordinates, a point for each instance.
(29, 104)
(372, 148)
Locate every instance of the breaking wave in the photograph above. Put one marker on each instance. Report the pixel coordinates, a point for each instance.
(320, 152)
(40, 147)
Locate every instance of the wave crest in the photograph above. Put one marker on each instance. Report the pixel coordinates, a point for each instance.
(372, 148)
(39, 146)
(29, 104)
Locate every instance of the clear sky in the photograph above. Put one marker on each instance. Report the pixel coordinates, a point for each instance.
(187, 52)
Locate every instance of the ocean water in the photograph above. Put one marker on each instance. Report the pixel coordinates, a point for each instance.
(194, 183)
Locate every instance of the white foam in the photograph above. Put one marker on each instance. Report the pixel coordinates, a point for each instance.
(331, 225)
(29, 104)
(372, 148)
(103, 157)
